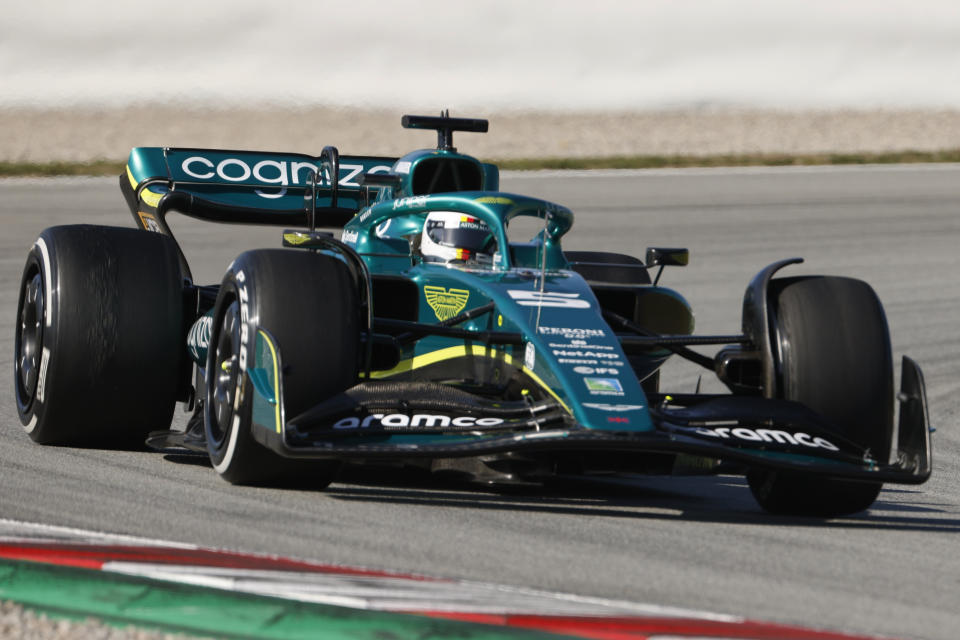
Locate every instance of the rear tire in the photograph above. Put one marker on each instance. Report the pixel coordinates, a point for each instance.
(833, 348)
(309, 304)
(98, 340)
(606, 267)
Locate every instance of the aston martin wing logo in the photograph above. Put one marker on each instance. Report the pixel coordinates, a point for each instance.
(446, 303)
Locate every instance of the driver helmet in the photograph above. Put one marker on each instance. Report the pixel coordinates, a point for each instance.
(449, 236)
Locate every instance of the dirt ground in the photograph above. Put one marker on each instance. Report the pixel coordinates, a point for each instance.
(46, 135)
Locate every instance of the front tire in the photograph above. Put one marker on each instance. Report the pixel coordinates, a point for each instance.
(833, 348)
(308, 303)
(98, 341)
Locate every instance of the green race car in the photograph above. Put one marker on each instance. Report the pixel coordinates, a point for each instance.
(428, 334)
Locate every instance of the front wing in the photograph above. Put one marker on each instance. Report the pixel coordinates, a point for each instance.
(384, 420)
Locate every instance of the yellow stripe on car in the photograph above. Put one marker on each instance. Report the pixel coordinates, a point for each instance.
(149, 197)
(462, 351)
(276, 380)
(133, 181)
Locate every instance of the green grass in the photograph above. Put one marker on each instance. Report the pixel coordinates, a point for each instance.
(111, 168)
(45, 169)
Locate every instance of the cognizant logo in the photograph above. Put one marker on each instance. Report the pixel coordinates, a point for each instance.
(268, 172)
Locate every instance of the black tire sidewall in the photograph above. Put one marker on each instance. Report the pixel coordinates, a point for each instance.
(114, 341)
(228, 447)
(31, 406)
(832, 348)
(308, 304)
(835, 356)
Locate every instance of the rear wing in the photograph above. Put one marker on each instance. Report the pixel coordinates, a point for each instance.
(246, 187)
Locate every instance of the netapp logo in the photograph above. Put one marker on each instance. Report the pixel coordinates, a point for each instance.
(416, 420)
(769, 435)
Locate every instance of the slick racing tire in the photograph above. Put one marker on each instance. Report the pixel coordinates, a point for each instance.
(308, 303)
(99, 335)
(832, 346)
(607, 267)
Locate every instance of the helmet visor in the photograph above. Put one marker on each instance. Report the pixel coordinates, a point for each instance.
(480, 240)
(471, 234)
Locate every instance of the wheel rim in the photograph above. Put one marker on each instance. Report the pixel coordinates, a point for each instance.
(29, 339)
(225, 374)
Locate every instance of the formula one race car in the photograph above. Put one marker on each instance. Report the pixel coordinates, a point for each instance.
(429, 335)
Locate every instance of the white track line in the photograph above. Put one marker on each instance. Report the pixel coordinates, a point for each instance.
(383, 593)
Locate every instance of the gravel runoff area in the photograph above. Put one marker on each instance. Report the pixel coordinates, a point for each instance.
(77, 135)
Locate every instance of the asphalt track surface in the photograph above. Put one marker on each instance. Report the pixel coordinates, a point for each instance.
(695, 542)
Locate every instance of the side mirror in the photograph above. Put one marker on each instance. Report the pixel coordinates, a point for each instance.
(662, 257)
(313, 239)
(379, 181)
